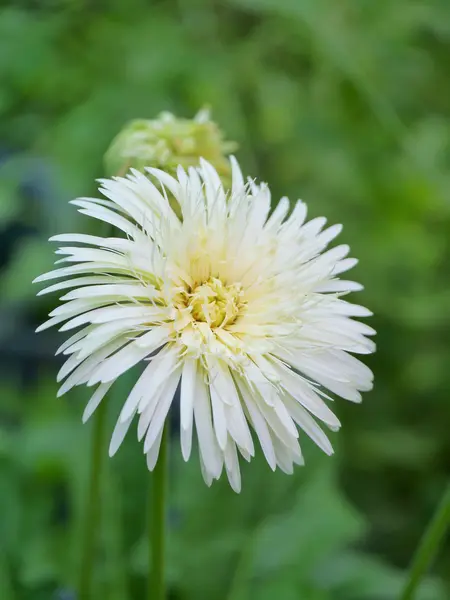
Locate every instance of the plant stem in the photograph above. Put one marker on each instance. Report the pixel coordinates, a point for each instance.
(92, 508)
(157, 522)
(428, 546)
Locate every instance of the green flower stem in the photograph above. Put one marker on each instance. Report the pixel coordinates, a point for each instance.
(157, 523)
(92, 509)
(428, 546)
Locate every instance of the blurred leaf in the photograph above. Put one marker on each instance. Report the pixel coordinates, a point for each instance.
(319, 522)
(10, 204)
(5, 579)
(354, 576)
(11, 511)
(32, 257)
(38, 565)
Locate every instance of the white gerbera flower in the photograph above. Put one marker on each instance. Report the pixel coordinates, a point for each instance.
(243, 308)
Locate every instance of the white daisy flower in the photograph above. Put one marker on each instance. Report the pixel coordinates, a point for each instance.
(241, 308)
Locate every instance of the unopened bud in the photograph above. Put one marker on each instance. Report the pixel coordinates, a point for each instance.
(167, 142)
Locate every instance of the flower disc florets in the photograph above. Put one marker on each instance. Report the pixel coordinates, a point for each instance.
(216, 303)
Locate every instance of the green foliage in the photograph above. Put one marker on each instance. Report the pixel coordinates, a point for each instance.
(344, 103)
(284, 537)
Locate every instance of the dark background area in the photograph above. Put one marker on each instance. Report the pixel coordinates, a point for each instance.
(344, 104)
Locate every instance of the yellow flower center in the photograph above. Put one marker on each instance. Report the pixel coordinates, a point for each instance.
(215, 303)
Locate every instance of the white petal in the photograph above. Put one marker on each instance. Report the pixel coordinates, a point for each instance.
(280, 212)
(127, 357)
(65, 347)
(328, 235)
(284, 416)
(82, 373)
(167, 180)
(115, 290)
(236, 177)
(286, 457)
(118, 435)
(352, 310)
(89, 267)
(259, 425)
(147, 415)
(187, 392)
(339, 285)
(141, 387)
(103, 334)
(79, 281)
(186, 442)
(187, 397)
(309, 426)
(105, 314)
(344, 265)
(220, 424)
(95, 400)
(297, 217)
(273, 420)
(208, 447)
(232, 466)
(153, 453)
(164, 363)
(299, 389)
(81, 238)
(108, 216)
(71, 309)
(162, 408)
(207, 477)
(213, 186)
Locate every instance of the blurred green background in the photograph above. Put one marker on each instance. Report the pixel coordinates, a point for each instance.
(344, 104)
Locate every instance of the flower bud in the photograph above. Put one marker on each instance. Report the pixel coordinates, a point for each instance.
(166, 142)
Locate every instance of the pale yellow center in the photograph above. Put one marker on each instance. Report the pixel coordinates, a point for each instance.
(215, 303)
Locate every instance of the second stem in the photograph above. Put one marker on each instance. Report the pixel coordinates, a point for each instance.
(92, 508)
(157, 522)
(428, 546)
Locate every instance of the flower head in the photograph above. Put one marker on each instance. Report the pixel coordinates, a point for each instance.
(241, 308)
